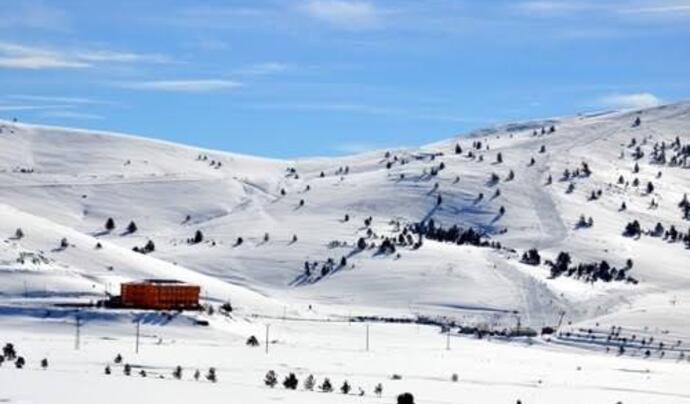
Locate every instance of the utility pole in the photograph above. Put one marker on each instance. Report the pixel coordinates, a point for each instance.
(448, 339)
(367, 337)
(267, 327)
(77, 333)
(136, 346)
(560, 319)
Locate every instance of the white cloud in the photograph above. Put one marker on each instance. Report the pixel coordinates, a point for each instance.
(30, 107)
(262, 69)
(17, 56)
(201, 85)
(547, 8)
(658, 8)
(50, 98)
(553, 8)
(72, 115)
(35, 15)
(363, 109)
(121, 57)
(25, 57)
(344, 13)
(630, 101)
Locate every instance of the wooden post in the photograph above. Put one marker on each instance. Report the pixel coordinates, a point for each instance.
(367, 337)
(136, 346)
(77, 334)
(560, 320)
(267, 327)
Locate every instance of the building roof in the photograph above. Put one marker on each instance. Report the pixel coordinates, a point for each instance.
(161, 282)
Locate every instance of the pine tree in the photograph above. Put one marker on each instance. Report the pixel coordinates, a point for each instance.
(326, 386)
(177, 373)
(198, 237)
(499, 158)
(131, 227)
(8, 352)
(252, 341)
(291, 382)
(378, 390)
(19, 233)
(20, 362)
(406, 398)
(270, 379)
(629, 263)
(531, 257)
(110, 224)
(309, 383)
(211, 375)
(345, 388)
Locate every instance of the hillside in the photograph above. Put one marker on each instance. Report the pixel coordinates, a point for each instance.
(573, 223)
(65, 183)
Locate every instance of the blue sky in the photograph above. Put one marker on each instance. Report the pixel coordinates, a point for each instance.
(323, 77)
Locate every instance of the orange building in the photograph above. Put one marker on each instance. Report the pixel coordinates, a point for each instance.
(159, 294)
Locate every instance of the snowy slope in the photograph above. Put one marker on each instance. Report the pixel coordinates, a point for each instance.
(77, 179)
(58, 183)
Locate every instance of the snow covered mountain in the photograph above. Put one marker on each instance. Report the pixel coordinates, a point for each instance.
(262, 219)
(577, 224)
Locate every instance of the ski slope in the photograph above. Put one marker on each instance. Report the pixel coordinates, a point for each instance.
(60, 183)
